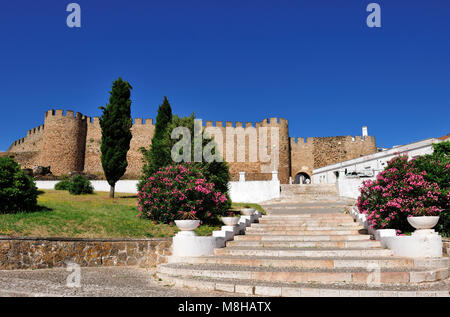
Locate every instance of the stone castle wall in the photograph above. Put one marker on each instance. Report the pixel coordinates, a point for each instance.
(261, 168)
(27, 150)
(69, 143)
(322, 151)
(302, 158)
(142, 132)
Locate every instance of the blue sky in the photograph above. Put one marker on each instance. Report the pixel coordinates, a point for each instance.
(315, 63)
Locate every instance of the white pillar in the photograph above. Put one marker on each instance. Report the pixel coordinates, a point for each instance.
(275, 175)
(242, 176)
(364, 132)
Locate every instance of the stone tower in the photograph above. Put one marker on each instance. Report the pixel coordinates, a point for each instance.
(63, 142)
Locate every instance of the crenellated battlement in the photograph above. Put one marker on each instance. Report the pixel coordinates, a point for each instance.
(38, 129)
(32, 135)
(69, 114)
(141, 121)
(272, 122)
(300, 141)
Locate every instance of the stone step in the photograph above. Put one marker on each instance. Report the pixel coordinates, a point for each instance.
(305, 275)
(302, 232)
(302, 262)
(267, 289)
(302, 228)
(323, 237)
(305, 252)
(318, 216)
(307, 244)
(314, 222)
(288, 225)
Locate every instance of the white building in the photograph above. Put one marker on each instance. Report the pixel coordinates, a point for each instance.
(350, 174)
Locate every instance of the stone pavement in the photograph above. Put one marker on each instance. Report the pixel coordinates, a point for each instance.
(95, 282)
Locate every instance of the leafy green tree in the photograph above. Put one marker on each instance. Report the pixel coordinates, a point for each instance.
(216, 172)
(436, 166)
(159, 154)
(442, 149)
(116, 125)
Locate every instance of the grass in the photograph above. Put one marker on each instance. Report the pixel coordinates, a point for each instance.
(88, 216)
(254, 206)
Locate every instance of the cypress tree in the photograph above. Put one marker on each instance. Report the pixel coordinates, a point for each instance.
(159, 154)
(116, 123)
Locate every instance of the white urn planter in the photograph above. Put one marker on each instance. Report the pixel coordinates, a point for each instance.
(423, 222)
(230, 221)
(186, 243)
(423, 243)
(248, 211)
(187, 226)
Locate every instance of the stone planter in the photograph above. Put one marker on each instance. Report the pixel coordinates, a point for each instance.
(230, 221)
(187, 226)
(423, 222)
(248, 211)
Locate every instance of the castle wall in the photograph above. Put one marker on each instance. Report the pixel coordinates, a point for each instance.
(64, 141)
(72, 143)
(27, 150)
(323, 151)
(261, 167)
(302, 158)
(92, 162)
(142, 132)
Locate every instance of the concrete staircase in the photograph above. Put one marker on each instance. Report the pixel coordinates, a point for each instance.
(309, 250)
(307, 192)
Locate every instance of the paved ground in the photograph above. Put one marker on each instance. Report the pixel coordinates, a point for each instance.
(106, 281)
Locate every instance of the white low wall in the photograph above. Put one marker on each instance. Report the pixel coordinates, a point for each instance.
(123, 186)
(249, 192)
(349, 187)
(254, 191)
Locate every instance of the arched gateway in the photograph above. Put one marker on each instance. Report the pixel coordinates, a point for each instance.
(302, 178)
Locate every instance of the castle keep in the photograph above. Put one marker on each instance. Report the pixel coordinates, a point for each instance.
(70, 142)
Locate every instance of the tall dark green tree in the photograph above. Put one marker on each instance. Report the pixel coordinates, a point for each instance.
(159, 153)
(116, 125)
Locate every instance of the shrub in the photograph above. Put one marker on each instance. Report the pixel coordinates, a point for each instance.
(63, 184)
(80, 185)
(18, 191)
(180, 192)
(402, 190)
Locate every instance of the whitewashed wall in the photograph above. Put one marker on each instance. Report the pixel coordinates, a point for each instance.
(123, 186)
(373, 163)
(349, 187)
(254, 191)
(249, 192)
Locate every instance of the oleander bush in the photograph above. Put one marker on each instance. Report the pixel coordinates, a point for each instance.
(80, 185)
(405, 189)
(181, 192)
(18, 191)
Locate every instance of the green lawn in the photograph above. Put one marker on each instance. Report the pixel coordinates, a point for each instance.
(88, 216)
